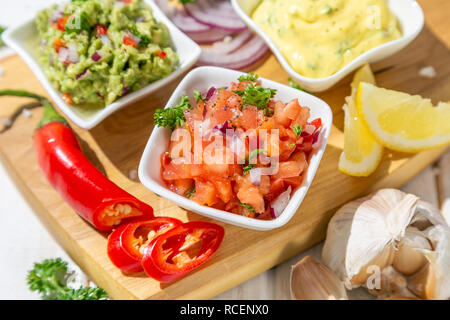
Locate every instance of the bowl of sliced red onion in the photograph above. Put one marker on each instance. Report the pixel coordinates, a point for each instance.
(231, 44)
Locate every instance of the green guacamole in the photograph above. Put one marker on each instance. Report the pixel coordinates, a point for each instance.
(95, 51)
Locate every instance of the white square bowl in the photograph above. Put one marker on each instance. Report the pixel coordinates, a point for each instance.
(23, 39)
(202, 79)
(408, 12)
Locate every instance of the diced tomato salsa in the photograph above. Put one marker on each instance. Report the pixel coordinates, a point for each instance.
(276, 130)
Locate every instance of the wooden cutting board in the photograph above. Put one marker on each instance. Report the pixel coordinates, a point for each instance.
(116, 145)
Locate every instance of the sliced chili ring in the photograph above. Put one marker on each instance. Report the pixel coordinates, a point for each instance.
(179, 251)
(126, 244)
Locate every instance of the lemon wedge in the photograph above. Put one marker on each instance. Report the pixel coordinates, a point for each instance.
(362, 153)
(403, 122)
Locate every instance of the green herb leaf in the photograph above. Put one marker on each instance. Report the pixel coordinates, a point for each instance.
(248, 77)
(247, 168)
(258, 97)
(297, 129)
(198, 96)
(191, 192)
(145, 40)
(173, 117)
(49, 278)
(292, 145)
(295, 85)
(187, 1)
(247, 206)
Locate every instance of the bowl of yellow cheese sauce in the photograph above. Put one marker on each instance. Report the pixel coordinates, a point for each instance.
(318, 42)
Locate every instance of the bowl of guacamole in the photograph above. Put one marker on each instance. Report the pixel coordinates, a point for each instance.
(96, 56)
(96, 51)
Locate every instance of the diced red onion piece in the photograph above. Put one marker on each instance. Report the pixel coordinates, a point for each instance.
(125, 90)
(281, 202)
(309, 129)
(96, 56)
(57, 14)
(246, 55)
(105, 39)
(210, 93)
(73, 53)
(81, 75)
(130, 35)
(222, 128)
(216, 13)
(316, 137)
(272, 213)
(255, 176)
(235, 43)
(206, 127)
(235, 144)
(63, 54)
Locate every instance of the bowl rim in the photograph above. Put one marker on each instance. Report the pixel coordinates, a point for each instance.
(327, 82)
(88, 122)
(221, 215)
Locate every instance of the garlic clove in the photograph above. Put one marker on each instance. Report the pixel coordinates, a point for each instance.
(408, 260)
(311, 280)
(361, 233)
(390, 283)
(423, 283)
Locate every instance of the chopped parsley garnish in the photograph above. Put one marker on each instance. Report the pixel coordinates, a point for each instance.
(297, 129)
(198, 96)
(295, 85)
(258, 97)
(247, 206)
(191, 192)
(254, 153)
(173, 117)
(78, 23)
(145, 40)
(248, 77)
(247, 168)
(50, 278)
(292, 145)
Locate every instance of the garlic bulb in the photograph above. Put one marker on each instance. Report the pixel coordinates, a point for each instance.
(363, 232)
(311, 280)
(392, 237)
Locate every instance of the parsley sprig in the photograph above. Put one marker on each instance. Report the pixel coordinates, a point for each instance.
(50, 277)
(145, 40)
(295, 85)
(297, 129)
(249, 77)
(258, 97)
(173, 117)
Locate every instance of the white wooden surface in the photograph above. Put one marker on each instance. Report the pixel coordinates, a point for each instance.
(24, 240)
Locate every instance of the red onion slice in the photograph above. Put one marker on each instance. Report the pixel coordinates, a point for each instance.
(181, 19)
(255, 176)
(81, 75)
(280, 203)
(130, 35)
(57, 14)
(209, 36)
(216, 13)
(235, 43)
(246, 55)
(210, 93)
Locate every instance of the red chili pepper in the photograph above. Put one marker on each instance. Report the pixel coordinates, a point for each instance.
(93, 196)
(129, 42)
(177, 252)
(126, 244)
(101, 30)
